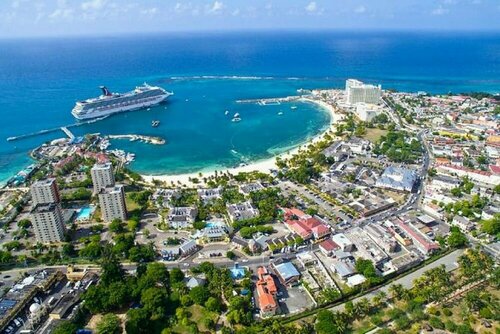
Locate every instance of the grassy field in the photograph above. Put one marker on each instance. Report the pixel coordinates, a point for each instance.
(374, 134)
(198, 315)
(131, 205)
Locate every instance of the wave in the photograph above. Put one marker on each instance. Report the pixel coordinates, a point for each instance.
(220, 77)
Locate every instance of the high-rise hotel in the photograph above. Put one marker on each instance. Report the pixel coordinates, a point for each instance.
(357, 91)
(46, 213)
(111, 195)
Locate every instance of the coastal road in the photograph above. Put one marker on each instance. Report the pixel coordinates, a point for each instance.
(450, 262)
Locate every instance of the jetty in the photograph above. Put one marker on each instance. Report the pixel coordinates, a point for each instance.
(64, 129)
(146, 139)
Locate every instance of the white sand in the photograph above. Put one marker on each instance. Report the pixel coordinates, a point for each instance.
(264, 166)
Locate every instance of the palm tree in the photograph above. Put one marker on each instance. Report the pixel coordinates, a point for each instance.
(396, 291)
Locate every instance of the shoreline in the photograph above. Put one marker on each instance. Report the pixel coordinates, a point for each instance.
(263, 165)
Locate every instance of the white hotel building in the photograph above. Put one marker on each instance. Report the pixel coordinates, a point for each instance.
(357, 91)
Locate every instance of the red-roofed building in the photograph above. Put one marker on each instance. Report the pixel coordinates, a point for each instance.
(495, 169)
(328, 246)
(305, 225)
(266, 292)
(298, 227)
(425, 245)
(473, 174)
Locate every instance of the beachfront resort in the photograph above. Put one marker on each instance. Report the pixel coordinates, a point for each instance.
(386, 222)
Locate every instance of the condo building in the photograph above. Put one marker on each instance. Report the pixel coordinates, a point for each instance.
(102, 176)
(112, 203)
(45, 191)
(46, 214)
(48, 223)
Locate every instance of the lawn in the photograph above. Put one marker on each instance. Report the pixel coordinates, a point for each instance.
(374, 134)
(131, 204)
(198, 315)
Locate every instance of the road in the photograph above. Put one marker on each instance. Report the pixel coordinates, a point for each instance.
(450, 261)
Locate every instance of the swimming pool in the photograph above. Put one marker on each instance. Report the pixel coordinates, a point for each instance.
(85, 213)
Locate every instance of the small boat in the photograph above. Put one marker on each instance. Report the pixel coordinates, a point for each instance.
(236, 119)
(154, 124)
(187, 100)
(280, 113)
(227, 112)
(236, 115)
(148, 109)
(293, 107)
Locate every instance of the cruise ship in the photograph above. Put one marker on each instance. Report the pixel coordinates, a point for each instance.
(111, 103)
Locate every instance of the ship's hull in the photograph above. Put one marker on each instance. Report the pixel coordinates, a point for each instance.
(93, 113)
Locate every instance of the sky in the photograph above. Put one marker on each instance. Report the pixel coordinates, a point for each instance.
(34, 18)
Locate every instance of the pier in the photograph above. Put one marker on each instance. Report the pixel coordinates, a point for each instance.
(64, 129)
(68, 133)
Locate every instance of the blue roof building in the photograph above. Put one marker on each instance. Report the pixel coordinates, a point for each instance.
(287, 273)
(237, 272)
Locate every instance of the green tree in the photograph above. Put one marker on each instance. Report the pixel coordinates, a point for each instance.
(65, 327)
(199, 294)
(112, 270)
(109, 324)
(230, 255)
(213, 304)
(116, 226)
(154, 301)
(24, 223)
(176, 276)
(457, 239)
(137, 321)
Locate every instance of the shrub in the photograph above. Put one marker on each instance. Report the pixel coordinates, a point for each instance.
(436, 323)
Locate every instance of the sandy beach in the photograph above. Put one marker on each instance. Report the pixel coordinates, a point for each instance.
(265, 165)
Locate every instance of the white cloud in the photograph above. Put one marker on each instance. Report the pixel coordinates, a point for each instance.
(149, 11)
(440, 11)
(180, 7)
(311, 7)
(14, 4)
(93, 4)
(360, 9)
(216, 7)
(63, 13)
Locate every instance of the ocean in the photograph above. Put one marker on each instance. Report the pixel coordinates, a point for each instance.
(41, 79)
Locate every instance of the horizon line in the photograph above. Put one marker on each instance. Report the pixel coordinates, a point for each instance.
(252, 30)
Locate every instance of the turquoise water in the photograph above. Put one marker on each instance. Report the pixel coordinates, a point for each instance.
(40, 80)
(85, 213)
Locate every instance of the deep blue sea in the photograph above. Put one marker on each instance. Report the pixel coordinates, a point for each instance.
(40, 80)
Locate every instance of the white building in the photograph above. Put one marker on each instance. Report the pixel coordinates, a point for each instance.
(112, 202)
(397, 178)
(357, 91)
(344, 243)
(366, 111)
(48, 223)
(44, 192)
(182, 216)
(102, 176)
(242, 211)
